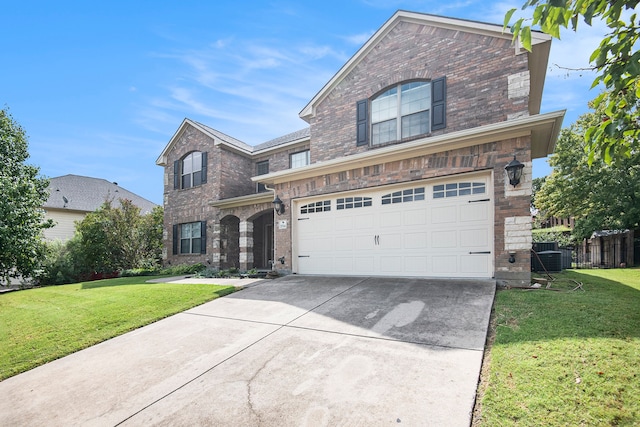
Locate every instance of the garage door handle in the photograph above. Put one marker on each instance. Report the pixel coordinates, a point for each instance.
(481, 252)
(481, 200)
(304, 256)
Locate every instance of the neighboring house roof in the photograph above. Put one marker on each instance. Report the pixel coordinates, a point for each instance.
(234, 144)
(86, 194)
(540, 45)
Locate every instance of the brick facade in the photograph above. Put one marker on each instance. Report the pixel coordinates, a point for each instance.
(487, 82)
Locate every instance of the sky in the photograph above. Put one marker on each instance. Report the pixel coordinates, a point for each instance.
(100, 87)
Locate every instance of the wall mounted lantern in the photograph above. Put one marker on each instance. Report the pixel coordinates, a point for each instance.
(514, 171)
(278, 205)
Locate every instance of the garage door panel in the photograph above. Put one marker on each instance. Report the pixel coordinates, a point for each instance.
(444, 239)
(444, 215)
(415, 217)
(416, 264)
(391, 264)
(474, 212)
(474, 238)
(344, 243)
(474, 264)
(416, 240)
(427, 231)
(444, 264)
(365, 221)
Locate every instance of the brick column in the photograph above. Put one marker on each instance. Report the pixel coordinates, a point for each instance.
(246, 245)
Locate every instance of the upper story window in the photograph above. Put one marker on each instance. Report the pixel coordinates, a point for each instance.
(191, 171)
(402, 111)
(296, 160)
(262, 168)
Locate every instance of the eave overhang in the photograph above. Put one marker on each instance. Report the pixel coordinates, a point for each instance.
(235, 202)
(543, 129)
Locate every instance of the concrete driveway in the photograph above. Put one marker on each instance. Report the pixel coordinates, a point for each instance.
(299, 350)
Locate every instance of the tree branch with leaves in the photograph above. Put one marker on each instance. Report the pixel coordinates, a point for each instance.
(616, 62)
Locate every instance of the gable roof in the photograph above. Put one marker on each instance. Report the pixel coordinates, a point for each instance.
(232, 143)
(86, 194)
(538, 59)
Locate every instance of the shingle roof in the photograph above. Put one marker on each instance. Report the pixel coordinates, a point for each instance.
(82, 193)
(226, 138)
(290, 137)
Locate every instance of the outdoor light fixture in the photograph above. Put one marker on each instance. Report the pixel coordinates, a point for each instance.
(514, 171)
(512, 257)
(278, 205)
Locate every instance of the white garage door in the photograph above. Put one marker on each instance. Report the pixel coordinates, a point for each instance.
(426, 229)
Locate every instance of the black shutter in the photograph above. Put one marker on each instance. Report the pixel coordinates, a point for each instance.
(362, 122)
(176, 175)
(203, 237)
(438, 103)
(175, 239)
(204, 167)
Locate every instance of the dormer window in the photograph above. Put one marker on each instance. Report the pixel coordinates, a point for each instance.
(191, 171)
(402, 111)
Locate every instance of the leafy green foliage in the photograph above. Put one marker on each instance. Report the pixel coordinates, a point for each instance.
(598, 194)
(616, 62)
(106, 241)
(22, 194)
(562, 235)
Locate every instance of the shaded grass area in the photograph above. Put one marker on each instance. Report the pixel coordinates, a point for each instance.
(567, 358)
(43, 324)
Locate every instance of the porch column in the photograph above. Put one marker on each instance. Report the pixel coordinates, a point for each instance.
(215, 251)
(246, 245)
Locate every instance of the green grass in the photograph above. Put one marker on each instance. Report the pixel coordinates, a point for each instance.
(43, 324)
(567, 358)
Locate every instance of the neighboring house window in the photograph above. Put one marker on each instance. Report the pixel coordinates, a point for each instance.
(191, 171)
(190, 238)
(262, 168)
(402, 111)
(297, 160)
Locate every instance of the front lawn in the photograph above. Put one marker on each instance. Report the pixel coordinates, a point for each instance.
(566, 358)
(43, 324)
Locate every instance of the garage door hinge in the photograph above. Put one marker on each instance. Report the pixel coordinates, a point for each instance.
(481, 200)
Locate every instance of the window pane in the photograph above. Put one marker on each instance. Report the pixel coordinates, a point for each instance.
(384, 132)
(187, 164)
(195, 229)
(196, 158)
(262, 168)
(195, 246)
(185, 246)
(299, 159)
(186, 181)
(416, 96)
(385, 106)
(197, 178)
(415, 124)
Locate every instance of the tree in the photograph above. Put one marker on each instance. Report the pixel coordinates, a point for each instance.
(616, 61)
(113, 239)
(22, 194)
(599, 195)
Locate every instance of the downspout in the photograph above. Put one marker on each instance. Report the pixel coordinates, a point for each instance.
(273, 261)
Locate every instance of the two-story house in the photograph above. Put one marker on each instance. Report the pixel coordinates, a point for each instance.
(401, 171)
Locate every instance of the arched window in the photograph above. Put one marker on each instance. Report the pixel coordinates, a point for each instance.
(191, 171)
(401, 112)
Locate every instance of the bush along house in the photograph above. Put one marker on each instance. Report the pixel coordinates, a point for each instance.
(401, 172)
